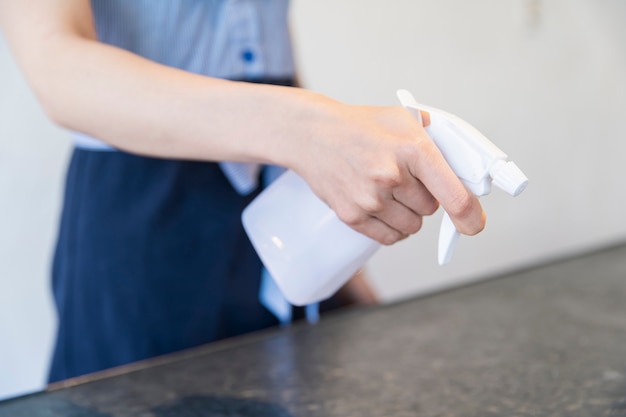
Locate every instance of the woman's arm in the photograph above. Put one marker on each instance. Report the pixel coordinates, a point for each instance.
(133, 103)
(375, 166)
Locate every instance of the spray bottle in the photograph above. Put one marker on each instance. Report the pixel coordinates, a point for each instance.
(310, 253)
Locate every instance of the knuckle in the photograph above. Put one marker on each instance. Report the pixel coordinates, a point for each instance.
(349, 217)
(372, 204)
(388, 177)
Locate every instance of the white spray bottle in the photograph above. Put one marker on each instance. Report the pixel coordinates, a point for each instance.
(310, 253)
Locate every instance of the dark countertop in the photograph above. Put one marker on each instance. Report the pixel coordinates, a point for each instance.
(550, 341)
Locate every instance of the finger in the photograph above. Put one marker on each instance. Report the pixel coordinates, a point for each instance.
(401, 218)
(379, 231)
(433, 171)
(425, 118)
(416, 197)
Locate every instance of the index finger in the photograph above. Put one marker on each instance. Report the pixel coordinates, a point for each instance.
(431, 168)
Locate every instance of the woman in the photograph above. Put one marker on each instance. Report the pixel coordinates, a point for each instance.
(151, 256)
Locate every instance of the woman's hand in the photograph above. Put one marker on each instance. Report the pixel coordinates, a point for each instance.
(358, 291)
(379, 171)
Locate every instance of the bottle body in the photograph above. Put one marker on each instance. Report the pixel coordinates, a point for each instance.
(309, 252)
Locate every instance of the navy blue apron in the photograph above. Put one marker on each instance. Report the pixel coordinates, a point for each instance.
(151, 258)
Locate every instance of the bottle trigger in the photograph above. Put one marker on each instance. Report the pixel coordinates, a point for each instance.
(448, 236)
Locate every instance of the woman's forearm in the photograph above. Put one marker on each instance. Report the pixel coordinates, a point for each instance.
(147, 108)
(144, 107)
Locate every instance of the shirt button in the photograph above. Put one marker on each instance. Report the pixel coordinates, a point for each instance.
(247, 56)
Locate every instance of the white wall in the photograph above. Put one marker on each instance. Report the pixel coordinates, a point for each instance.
(545, 80)
(547, 87)
(32, 158)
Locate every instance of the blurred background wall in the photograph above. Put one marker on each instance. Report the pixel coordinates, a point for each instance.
(33, 155)
(544, 79)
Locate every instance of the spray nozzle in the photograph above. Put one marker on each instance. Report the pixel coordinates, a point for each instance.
(508, 177)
